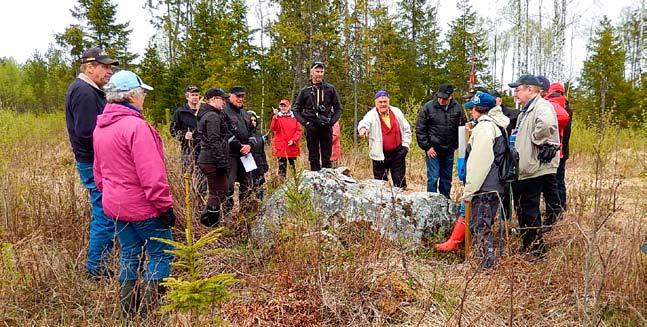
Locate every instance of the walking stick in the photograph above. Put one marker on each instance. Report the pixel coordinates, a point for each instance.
(187, 203)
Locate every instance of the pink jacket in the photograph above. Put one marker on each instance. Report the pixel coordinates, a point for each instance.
(129, 165)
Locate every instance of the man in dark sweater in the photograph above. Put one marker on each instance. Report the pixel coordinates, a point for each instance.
(240, 144)
(84, 101)
(318, 108)
(183, 126)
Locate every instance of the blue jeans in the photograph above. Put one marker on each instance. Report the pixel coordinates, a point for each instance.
(441, 168)
(102, 228)
(134, 239)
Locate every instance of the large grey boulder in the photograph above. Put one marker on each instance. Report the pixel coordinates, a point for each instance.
(339, 199)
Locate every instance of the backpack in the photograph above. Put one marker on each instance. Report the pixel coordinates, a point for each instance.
(509, 167)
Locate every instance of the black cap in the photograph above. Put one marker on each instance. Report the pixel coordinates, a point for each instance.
(526, 79)
(98, 55)
(215, 92)
(192, 89)
(445, 91)
(545, 83)
(495, 93)
(237, 90)
(317, 64)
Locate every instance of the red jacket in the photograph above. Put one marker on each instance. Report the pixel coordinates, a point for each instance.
(562, 116)
(285, 128)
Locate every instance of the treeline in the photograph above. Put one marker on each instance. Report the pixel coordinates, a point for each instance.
(366, 45)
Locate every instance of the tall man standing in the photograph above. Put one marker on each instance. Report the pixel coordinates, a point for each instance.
(183, 126)
(437, 134)
(389, 136)
(318, 108)
(84, 101)
(536, 139)
(240, 144)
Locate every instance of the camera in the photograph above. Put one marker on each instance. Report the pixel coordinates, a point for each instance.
(321, 116)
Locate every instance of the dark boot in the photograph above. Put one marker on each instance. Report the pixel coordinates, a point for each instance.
(128, 300)
(151, 298)
(210, 216)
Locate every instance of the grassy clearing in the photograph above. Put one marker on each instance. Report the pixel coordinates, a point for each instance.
(594, 274)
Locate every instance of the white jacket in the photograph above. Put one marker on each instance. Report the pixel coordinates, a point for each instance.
(371, 121)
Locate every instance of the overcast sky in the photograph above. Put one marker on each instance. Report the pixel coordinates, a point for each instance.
(29, 25)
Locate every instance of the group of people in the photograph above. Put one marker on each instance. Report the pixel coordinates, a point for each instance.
(120, 159)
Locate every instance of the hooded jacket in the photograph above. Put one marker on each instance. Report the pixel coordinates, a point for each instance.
(536, 126)
(437, 126)
(129, 165)
(371, 122)
(285, 128)
(312, 97)
(184, 120)
(213, 134)
(485, 150)
(555, 96)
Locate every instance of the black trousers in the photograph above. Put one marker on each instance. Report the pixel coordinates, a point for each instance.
(319, 139)
(283, 166)
(237, 174)
(395, 162)
(217, 185)
(561, 185)
(527, 196)
(552, 202)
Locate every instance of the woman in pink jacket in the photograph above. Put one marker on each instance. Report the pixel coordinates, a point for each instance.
(129, 169)
(287, 133)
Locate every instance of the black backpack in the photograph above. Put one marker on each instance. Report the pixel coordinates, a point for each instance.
(509, 167)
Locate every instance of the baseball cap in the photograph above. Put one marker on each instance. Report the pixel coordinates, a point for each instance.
(192, 89)
(526, 79)
(481, 99)
(545, 83)
(125, 80)
(317, 64)
(381, 93)
(215, 92)
(237, 90)
(445, 91)
(98, 55)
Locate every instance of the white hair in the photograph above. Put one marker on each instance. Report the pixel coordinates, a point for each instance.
(113, 95)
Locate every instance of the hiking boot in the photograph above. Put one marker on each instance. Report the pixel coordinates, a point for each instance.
(128, 300)
(456, 238)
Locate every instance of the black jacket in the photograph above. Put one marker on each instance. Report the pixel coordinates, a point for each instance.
(258, 152)
(240, 126)
(318, 105)
(214, 133)
(184, 120)
(437, 126)
(83, 103)
(512, 114)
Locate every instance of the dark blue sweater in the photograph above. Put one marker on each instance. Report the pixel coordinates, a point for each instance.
(83, 103)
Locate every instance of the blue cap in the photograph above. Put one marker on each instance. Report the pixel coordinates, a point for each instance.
(525, 80)
(381, 93)
(125, 80)
(481, 99)
(545, 83)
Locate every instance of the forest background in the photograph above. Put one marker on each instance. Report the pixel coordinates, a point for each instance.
(367, 44)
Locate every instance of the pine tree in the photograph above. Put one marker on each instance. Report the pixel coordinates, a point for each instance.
(98, 28)
(153, 71)
(466, 44)
(603, 75)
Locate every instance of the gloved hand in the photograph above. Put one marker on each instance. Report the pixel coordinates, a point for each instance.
(460, 167)
(168, 218)
(547, 152)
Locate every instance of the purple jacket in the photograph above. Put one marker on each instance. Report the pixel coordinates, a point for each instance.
(129, 165)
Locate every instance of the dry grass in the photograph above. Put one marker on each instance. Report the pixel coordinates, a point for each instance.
(593, 275)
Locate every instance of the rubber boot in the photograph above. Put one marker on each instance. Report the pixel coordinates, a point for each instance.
(456, 238)
(210, 216)
(150, 299)
(128, 300)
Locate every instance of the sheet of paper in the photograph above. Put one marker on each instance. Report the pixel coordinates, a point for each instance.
(248, 162)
